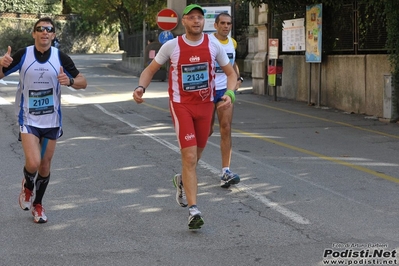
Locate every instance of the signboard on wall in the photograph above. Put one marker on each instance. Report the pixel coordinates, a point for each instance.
(314, 15)
(273, 48)
(294, 35)
(210, 13)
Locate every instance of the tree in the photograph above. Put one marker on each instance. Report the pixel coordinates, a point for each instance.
(128, 13)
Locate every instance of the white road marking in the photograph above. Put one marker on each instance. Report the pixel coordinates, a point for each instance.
(2, 81)
(4, 101)
(272, 205)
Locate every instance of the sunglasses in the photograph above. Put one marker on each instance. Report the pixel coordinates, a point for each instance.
(200, 18)
(45, 28)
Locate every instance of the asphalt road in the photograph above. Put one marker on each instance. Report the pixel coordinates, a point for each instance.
(318, 185)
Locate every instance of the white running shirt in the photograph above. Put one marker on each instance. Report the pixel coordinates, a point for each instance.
(39, 92)
(230, 48)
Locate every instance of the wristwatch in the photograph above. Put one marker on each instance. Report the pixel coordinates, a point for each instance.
(71, 81)
(140, 87)
(240, 79)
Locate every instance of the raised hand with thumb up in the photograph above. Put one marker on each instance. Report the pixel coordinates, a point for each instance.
(63, 78)
(6, 60)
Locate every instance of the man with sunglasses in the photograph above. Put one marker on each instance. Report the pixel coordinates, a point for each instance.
(43, 69)
(192, 59)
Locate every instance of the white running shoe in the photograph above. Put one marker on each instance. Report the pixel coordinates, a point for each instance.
(25, 197)
(38, 214)
(180, 195)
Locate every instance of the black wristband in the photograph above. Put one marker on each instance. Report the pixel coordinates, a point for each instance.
(140, 87)
(71, 82)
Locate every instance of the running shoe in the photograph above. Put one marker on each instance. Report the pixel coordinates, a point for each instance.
(195, 220)
(38, 214)
(180, 195)
(229, 178)
(25, 197)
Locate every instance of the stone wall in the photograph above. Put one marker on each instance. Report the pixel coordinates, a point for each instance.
(352, 83)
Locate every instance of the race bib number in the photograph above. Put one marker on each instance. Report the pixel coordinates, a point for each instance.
(231, 58)
(195, 77)
(41, 102)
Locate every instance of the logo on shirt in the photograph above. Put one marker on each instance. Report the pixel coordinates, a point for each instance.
(194, 59)
(41, 69)
(205, 93)
(41, 79)
(189, 137)
(41, 75)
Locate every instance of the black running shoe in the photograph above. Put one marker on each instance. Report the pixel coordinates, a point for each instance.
(195, 220)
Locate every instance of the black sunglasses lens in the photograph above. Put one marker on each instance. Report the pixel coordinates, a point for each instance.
(43, 28)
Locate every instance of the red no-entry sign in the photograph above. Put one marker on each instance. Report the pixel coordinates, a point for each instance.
(167, 19)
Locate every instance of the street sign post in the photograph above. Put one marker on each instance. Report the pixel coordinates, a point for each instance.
(167, 19)
(165, 36)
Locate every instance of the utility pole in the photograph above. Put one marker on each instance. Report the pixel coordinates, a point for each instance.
(145, 5)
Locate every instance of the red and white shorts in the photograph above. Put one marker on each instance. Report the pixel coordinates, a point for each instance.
(192, 123)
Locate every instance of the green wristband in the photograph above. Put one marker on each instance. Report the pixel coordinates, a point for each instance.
(231, 94)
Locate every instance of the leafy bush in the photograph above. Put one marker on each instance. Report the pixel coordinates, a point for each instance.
(31, 6)
(16, 38)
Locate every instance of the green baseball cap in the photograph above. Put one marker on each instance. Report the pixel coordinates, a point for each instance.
(191, 7)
